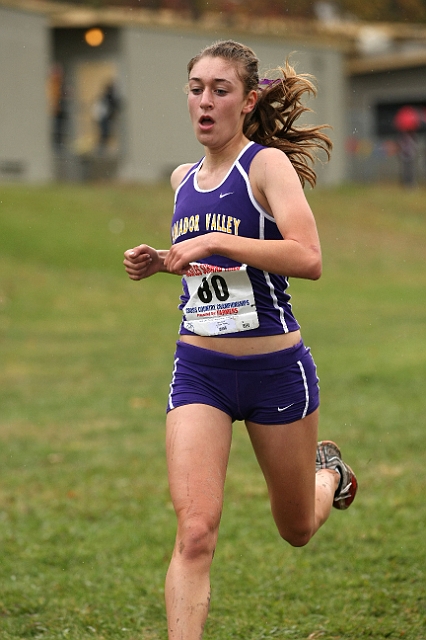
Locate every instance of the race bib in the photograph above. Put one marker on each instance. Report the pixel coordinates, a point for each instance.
(220, 300)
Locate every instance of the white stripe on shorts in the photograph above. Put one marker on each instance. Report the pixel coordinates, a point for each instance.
(302, 371)
(171, 405)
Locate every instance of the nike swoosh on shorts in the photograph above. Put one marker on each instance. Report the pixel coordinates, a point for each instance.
(284, 408)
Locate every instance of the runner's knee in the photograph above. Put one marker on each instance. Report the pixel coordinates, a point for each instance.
(296, 535)
(197, 536)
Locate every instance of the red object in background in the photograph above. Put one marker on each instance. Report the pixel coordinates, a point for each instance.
(407, 119)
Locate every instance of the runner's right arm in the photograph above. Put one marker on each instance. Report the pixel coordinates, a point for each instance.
(144, 261)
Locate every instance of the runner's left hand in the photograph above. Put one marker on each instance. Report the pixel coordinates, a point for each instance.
(180, 255)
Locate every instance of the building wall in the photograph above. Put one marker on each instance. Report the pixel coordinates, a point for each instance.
(159, 134)
(374, 157)
(25, 150)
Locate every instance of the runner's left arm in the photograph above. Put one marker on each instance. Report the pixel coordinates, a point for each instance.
(276, 186)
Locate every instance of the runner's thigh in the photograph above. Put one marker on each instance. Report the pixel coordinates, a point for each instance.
(286, 455)
(197, 443)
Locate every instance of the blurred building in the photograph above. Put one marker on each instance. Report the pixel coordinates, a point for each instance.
(387, 118)
(58, 61)
(25, 57)
(98, 94)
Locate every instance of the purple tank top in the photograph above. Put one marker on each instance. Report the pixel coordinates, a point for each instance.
(229, 208)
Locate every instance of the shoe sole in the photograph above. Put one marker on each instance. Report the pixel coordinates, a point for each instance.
(343, 503)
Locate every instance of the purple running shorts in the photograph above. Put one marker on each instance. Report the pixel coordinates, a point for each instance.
(273, 388)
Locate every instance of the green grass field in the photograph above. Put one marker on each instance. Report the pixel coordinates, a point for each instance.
(86, 524)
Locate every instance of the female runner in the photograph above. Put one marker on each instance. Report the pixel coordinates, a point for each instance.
(241, 226)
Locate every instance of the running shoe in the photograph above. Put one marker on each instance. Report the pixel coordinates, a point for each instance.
(329, 457)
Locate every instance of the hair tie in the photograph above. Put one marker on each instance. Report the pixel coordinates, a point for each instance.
(265, 82)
